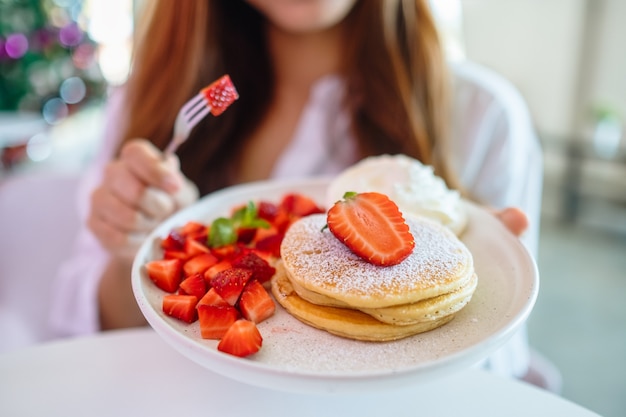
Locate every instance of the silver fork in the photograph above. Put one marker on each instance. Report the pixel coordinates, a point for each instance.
(214, 98)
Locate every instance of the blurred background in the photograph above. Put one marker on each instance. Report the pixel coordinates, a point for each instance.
(58, 58)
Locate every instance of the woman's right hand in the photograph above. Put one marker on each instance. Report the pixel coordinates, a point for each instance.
(138, 191)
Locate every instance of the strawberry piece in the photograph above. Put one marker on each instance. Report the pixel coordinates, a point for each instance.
(210, 273)
(255, 303)
(299, 205)
(199, 264)
(271, 244)
(372, 226)
(212, 298)
(193, 247)
(192, 228)
(220, 94)
(216, 320)
(229, 283)
(261, 269)
(173, 241)
(181, 307)
(245, 235)
(194, 285)
(241, 339)
(175, 254)
(165, 273)
(226, 251)
(267, 211)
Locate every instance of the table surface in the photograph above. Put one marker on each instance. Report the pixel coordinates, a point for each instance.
(135, 373)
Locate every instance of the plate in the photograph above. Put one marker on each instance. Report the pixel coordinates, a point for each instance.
(298, 358)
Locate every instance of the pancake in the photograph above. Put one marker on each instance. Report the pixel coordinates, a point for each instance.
(421, 311)
(318, 262)
(342, 322)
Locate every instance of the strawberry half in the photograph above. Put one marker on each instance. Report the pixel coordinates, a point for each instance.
(220, 94)
(182, 307)
(371, 226)
(255, 303)
(241, 339)
(166, 273)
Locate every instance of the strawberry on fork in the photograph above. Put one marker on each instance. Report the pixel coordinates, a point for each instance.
(214, 99)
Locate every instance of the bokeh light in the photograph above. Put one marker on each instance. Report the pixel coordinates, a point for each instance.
(73, 90)
(16, 45)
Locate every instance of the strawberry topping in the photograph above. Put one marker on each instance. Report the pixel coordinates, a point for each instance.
(371, 226)
(220, 94)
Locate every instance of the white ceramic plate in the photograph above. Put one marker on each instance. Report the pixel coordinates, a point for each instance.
(298, 358)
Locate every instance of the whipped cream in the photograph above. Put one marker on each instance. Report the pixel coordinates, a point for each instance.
(412, 185)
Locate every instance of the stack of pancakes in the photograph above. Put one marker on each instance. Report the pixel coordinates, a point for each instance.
(322, 283)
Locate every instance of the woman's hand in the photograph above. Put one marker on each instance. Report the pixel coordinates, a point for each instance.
(514, 219)
(138, 190)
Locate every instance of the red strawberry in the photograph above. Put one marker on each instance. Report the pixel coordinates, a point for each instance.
(216, 320)
(165, 273)
(255, 303)
(194, 285)
(212, 298)
(372, 226)
(173, 241)
(229, 283)
(220, 94)
(192, 228)
(210, 273)
(261, 269)
(241, 339)
(193, 247)
(175, 254)
(267, 210)
(182, 307)
(299, 205)
(199, 264)
(271, 244)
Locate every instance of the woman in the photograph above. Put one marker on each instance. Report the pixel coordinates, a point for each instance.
(322, 83)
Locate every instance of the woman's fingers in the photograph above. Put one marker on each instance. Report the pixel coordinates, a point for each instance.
(514, 219)
(147, 163)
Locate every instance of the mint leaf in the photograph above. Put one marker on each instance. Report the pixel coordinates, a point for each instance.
(222, 233)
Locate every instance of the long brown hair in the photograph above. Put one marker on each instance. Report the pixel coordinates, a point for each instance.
(395, 71)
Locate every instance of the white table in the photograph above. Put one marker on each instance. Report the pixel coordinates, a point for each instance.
(134, 373)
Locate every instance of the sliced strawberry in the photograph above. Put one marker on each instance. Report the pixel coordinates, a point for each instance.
(241, 339)
(173, 241)
(299, 205)
(210, 273)
(372, 226)
(212, 298)
(271, 244)
(216, 320)
(229, 283)
(194, 285)
(267, 210)
(175, 254)
(192, 228)
(255, 303)
(261, 269)
(199, 264)
(181, 307)
(226, 251)
(245, 235)
(166, 273)
(193, 247)
(220, 94)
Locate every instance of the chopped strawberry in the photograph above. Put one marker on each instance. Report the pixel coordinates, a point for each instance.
(199, 264)
(261, 269)
(193, 247)
(267, 210)
(175, 254)
(229, 283)
(216, 320)
(192, 228)
(372, 226)
(220, 94)
(173, 241)
(181, 307)
(299, 205)
(212, 298)
(194, 285)
(226, 251)
(166, 273)
(241, 339)
(255, 303)
(271, 244)
(210, 273)
(245, 235)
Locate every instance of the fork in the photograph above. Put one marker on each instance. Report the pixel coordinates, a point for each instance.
(214, 98)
